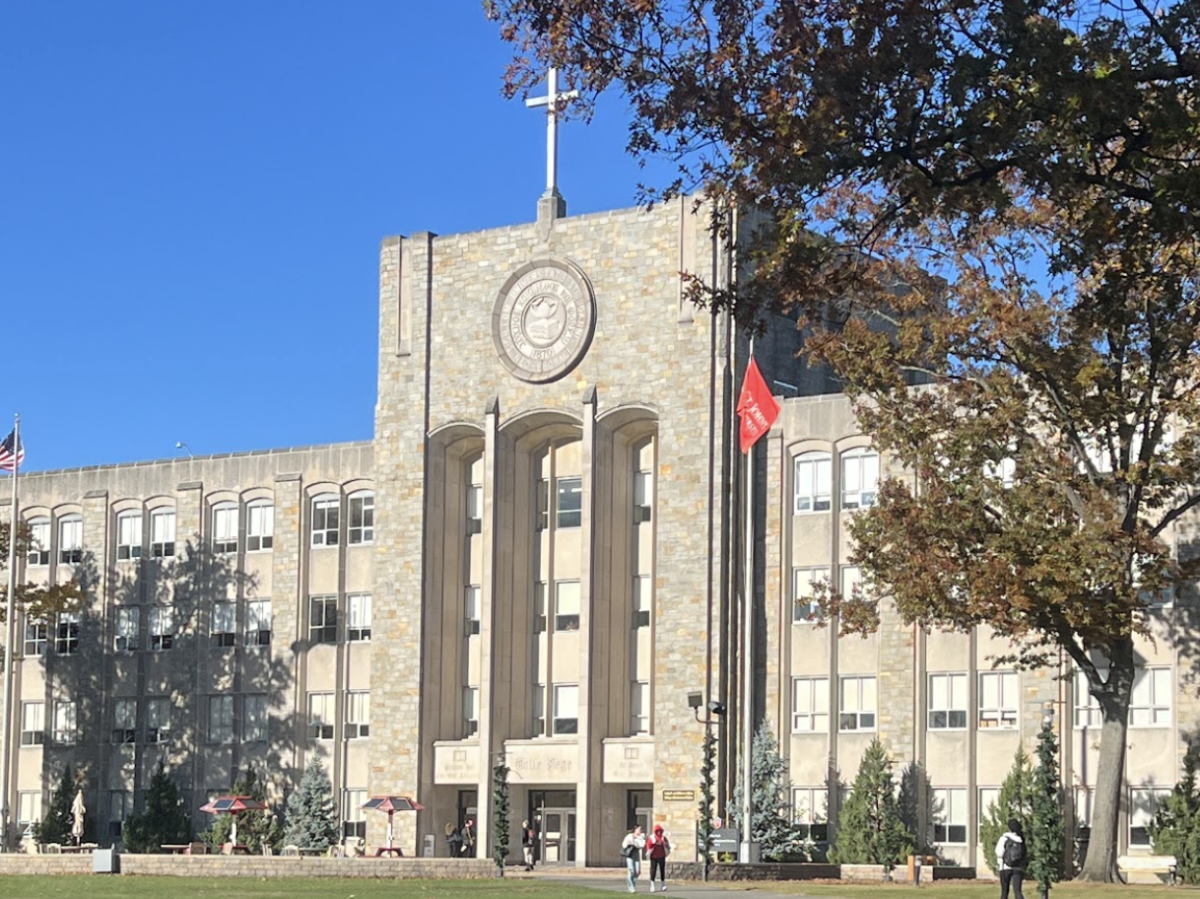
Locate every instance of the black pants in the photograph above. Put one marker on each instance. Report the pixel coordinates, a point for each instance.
(1013, 876)
(659, 865)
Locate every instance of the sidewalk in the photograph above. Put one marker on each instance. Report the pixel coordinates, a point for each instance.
(613, 880)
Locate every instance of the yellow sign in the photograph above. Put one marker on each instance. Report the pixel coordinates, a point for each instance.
(678, 795)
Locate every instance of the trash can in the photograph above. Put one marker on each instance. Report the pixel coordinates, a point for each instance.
(106, 861)
(427, 844)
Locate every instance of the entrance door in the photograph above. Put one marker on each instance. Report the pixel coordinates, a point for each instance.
(558, 836)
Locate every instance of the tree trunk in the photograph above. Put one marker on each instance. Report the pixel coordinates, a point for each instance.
(1100, 865)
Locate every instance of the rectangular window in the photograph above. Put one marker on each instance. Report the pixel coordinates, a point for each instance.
(643, 496)
(37, 634)
(806, 607)
(948, 701)
(539, 710)
(988, 797)
(258, 622)
(1087, 709)
(1150, 703)
(358, 624)
(128, 622)
(539, 607)
(813, 483)
(569, 510)
(66, 730)
(29, 811)
(66, 634)
(474, 509)
(162, 533)
(566, 605)
(810, 812)
(362, 519)
(224, 624)
(1085, 798)
(642, 587)
(33, 723)
(470, 711)
(320, 716)
(543, 505)
(856, 707)
(220, 719)
(860, 479)
(998, 699)
(225, 528)
(325, 521)
(119, 807)
(322, 619)
(129, 535)
(471, 610)
(566, 708)
(358, 714)
(125, 721)
(254, 718)
(70, 540)
(158, 720)
(354, 820)
(810, 705)
(950, 816)
(1143, 803)
(260, 527)
(639, 706)
(851, 581)
(162, 628)
(39, 543)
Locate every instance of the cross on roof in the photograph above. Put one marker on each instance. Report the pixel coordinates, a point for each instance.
(551, 102)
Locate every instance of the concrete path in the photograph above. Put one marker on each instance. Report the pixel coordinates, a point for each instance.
(613, 880)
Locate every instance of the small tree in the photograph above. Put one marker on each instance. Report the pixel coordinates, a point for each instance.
(255, 827)
(500, 814)
(916, 810)
(163, 819)
(870, 829)
(707, 767)
(56, 826)
(1015, 801)
(1047, 833)
(311, 820)
(771, 824)
(1176, 827)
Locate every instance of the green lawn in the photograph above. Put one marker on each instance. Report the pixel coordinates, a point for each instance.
(971, 890)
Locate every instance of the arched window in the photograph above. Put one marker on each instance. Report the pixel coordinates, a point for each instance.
(812, 483)
(325, 510)
(39, 541)
(260, 525)
(70, 539)
(225, 528)
(362, 518)
(860, 478)
(129, 535)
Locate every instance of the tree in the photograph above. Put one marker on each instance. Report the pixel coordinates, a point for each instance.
(1176, 827)
(500, 814)
(995, 198)
(771, 823)
(36, 601)
(254, 828)
(163, 820)
(870, 830)
(1047, 833)
(56, 826)
(1015, 800)
(311, 819)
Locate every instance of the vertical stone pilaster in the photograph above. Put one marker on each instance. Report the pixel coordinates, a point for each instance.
(590, 765)
(287, 559)
(189, 499)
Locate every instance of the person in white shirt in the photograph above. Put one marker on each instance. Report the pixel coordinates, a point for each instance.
(631, 849)
(1011, 856)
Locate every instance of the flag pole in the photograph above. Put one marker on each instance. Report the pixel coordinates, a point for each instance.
(749, 849)
(9, 614)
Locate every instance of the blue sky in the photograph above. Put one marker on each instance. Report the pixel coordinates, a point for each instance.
(192, 197)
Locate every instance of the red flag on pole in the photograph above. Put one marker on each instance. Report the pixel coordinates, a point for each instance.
(756, 407)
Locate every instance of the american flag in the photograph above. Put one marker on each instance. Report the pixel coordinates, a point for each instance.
(10, 459)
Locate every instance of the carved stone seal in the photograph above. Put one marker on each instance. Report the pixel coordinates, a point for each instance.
(543, 320)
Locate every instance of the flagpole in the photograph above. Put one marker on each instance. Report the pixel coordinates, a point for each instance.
(749, 849)
(9, 625)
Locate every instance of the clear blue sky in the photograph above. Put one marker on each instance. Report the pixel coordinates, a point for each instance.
(192, 196)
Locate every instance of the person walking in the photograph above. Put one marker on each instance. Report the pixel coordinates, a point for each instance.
(527, 844)
(468, 838)
(631, 850)
(1010, 853)
(658, 847)
(454, 840)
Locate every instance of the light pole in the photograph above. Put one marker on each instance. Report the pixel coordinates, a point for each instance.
(180, 445)
(704, 831)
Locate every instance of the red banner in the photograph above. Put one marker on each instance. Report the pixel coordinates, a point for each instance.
(756, 406)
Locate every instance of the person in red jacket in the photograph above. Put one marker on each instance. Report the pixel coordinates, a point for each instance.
(658, 847)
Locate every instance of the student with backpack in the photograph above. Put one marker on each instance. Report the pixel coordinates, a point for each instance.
(631, 851)
(658, 847)
(1010, 853)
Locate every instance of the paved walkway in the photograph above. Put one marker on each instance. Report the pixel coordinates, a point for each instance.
(613, 880)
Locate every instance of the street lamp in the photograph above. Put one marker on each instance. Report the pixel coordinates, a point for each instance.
(714, 711)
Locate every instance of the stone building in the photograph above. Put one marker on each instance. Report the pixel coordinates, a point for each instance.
(535, 560)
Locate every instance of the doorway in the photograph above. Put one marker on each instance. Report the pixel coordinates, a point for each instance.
(468, 801)
(553, 814)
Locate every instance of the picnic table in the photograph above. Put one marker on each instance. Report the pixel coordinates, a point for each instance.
(176, 848)
(393, 851)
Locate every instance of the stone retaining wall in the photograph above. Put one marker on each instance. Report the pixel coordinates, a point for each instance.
(256, 866)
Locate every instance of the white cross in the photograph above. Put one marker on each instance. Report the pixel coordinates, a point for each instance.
(551, 101)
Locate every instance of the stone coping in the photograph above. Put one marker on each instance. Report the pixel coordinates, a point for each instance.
(256, 866)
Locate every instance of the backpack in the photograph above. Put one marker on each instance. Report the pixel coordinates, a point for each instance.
(1014, 853)
(628, 851)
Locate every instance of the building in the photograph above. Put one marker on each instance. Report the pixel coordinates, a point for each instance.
(535, 560)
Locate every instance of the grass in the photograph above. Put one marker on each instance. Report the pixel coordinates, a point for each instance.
(968, 890)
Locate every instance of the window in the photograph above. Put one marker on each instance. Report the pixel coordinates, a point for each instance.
(220, 719)
(37, 633)
(325, 520)
(119, 807)
(806, 606)
(851, 581)
(539, 607)
(642, 586)
(125, 721)
(569, 510)
(856, 707)
(1143, 803)
(33, 723)
(358, 625)
(358, 714)
(129, 536)
(66, 634)
(354, 821)
(320, 716)
(158, 720)
(810, 705)
(543, 505)
(810, 811)
(539, 710)
(1087, 709)
(639, 708)
(258, 622)
(322, 619)
(998, 700)
(950, 816)
(66, 730)
(947, 701)
(254, 718)
(1150, 703)
(643, 496)
(128, 621)
(471, 609)
(813, 483)
(225, 528)
(860, 478)
(1085, 798)
(1004, 471)
(162, 628)
(470, 710)
(39, 542)
(224, 624)
(29, 811)
(162, 533)
(362, 518)
(566, 708)
(566, 605)
(988, 797)
(474, 509)
(70, 540)
(260, 526)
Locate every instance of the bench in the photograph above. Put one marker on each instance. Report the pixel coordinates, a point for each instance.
(1148, 864)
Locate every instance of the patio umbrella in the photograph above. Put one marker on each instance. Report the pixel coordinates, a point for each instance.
(391, 805)
(231, 805)
(77, 810)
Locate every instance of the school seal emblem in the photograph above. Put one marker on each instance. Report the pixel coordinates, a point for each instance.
(543, 320)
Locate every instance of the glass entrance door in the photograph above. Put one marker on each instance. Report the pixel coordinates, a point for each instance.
(558, 836)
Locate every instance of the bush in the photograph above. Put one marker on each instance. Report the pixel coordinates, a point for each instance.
(870, 828)
(163, 819)
(1176, 827)
(311, 820)
(1015, 801)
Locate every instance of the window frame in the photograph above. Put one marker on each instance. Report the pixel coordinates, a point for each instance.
(472, 597)
(70, 551)
(565, 514)
(957, 701)
(33, 733)
(129, 546)
(125, 710)
(260, 526)
(1007, 710)
(326, 632)
(946, 827)
(470, 711)
(358, 715)
(565, 724)
(639, 707)
(1159, 710)
(66, 634)
(359, 614)
(858, 682)
(859, 458)
(568, 621)
(814, 690)
(65, 732)
(163, 524)
(325, 510)
(38, 555)
(127, 629)
(220, 719)
(808, 611)
(810, 823)
(256, 634)
(158, 731)
(256, 727)
(223, 626)
(362, 533)
(807, 495)
(643, 496)
(1139, 834)
(223, 515)
(162, 628)
(322, 726)
(36, 640)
